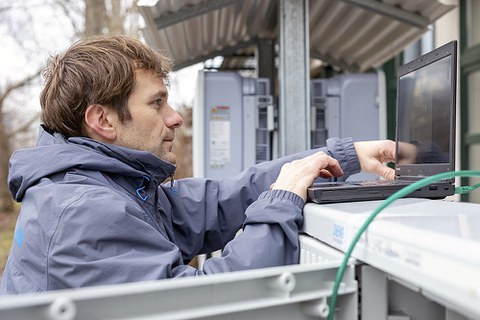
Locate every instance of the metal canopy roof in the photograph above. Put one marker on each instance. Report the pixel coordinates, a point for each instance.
(353, 34)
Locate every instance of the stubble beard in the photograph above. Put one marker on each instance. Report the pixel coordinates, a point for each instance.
(166, 154)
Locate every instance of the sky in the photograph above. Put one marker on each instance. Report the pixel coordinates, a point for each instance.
(183, 84)
(28, 38)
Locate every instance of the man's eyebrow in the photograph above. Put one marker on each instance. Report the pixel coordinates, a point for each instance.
(159, 94)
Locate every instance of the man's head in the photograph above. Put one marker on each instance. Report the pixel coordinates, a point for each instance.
(100, 88)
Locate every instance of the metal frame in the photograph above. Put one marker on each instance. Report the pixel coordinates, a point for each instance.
(392, 12)
(294, 77)
(469, 62)
(287, 292)
(189, 12)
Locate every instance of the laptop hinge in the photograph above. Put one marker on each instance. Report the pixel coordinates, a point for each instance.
(418, 178)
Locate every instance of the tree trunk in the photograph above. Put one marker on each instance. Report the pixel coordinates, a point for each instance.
(95, 16)
(99, 20)
(6, 201)
(116, 20)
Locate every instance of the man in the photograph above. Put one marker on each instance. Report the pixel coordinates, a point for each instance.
(94, 210)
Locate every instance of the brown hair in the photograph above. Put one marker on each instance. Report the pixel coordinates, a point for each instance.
(95, 70)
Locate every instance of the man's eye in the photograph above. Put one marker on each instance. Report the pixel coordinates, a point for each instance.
(158, 101)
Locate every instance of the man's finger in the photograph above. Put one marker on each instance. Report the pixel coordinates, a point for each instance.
(389, 173)
(334, 167)
(386, 172)
(325, 174)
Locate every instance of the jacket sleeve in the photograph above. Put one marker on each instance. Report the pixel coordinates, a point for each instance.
(112, 242)
(105, 238)
(208, 213)
(99, 236)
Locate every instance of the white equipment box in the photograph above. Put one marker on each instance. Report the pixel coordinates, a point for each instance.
(430, 246)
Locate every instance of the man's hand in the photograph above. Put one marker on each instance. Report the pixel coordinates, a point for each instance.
(298, 175)
(373, 154)
(407, 152)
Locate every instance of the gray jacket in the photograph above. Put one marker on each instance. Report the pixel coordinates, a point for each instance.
(96, 214)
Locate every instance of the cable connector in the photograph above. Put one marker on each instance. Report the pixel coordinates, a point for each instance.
(466, 189)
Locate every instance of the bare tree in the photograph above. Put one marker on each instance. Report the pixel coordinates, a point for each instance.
(110, 17)
(78, 19)
(81, 19)
(7, 135)
(91, 17)
(21, 34)
(182, 145)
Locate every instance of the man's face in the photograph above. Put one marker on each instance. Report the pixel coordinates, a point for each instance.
(153, 123)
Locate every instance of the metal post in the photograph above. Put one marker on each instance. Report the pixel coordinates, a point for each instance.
(294, 77)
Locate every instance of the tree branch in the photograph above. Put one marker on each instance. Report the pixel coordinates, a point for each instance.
(19, 84)
(24, 128)
(69, 10)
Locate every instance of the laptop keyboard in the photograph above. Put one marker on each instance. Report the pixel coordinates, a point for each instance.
(379, 182)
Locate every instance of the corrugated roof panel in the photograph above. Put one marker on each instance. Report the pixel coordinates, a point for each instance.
(355, 34)
(434, 11)
(359, 38)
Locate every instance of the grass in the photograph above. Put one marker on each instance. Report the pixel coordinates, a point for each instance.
(7, 225)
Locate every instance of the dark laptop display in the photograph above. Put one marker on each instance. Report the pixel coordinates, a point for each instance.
(425, 132)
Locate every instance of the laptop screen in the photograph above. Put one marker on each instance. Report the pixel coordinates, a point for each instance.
(426, 114)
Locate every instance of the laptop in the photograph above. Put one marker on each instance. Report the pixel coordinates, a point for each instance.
(425, 133)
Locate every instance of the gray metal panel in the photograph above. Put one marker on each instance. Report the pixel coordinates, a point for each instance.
(198, 127)
(373, 291)
(223, 126)
(266, 63)
(249, 130)
(350, 104)
(230, 124)
(264, 128)
(359, 110)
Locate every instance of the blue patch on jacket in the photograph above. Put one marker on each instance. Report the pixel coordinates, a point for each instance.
(18, 236)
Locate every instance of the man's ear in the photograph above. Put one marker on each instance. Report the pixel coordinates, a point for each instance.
(100, 123)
